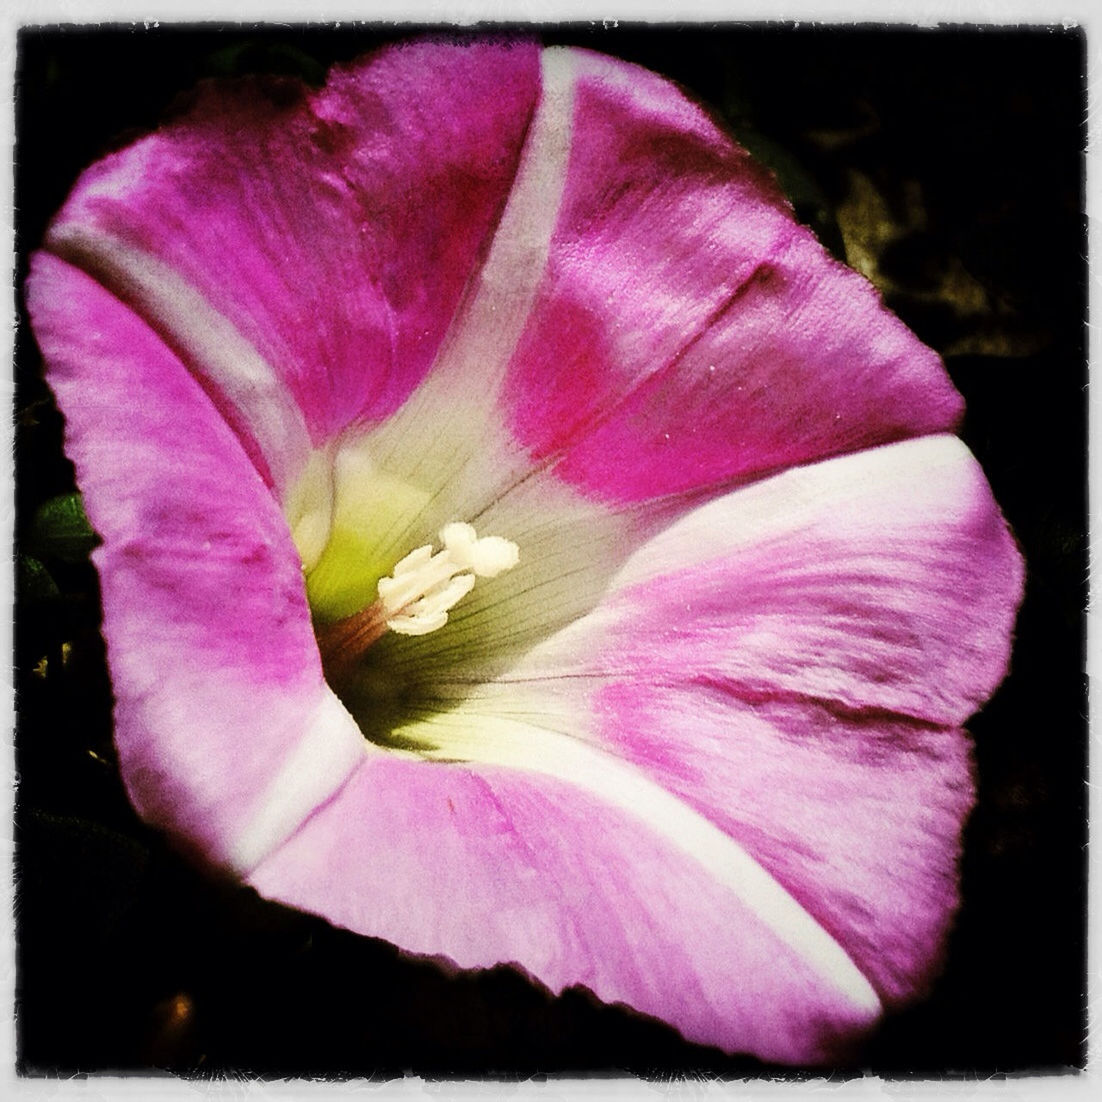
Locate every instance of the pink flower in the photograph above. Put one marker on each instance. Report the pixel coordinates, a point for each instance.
(679, 718)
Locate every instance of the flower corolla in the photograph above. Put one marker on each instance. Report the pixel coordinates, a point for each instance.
(522, 542)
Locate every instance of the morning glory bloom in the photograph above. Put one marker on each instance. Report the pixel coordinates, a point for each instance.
(522, 542)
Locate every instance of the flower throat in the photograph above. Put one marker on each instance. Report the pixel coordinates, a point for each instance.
(416, 597)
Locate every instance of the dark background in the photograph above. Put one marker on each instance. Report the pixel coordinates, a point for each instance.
(945, 164)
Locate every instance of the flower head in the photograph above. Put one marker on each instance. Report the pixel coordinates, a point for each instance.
(522, 542)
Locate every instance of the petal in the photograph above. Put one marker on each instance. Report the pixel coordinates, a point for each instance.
(580, 873)
(858, 817)
(686, 330)
(447, 452)
(207, 628)
(791, 662)
(326, 236)
(884, 581)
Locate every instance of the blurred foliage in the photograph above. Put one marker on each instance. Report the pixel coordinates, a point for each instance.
(61, 530)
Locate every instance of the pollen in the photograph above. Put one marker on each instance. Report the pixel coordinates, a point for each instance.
(424, 586)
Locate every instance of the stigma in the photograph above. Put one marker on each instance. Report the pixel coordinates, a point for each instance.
(424, 586)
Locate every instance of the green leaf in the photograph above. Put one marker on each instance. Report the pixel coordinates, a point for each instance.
(60, 530)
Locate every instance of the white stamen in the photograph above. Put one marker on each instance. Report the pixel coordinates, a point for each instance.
(424, 586)
(417, 625)
(487, 557)
(413, 560)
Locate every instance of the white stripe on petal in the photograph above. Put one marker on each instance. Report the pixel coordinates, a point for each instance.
(519, 743)
(883, 580)
(467, 458)
(331, 747)
(207, 341)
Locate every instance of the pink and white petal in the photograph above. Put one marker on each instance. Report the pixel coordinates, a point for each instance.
(697, 265)
(328, 234)
(791, 663)
(206, 622)
(468, 458)
(687, 331)
(859, 817)
(562, 861)
(883, 582)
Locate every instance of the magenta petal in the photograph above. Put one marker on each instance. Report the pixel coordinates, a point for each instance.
(687, 331)
(226, 732)
(334, 230)
(502, 866)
